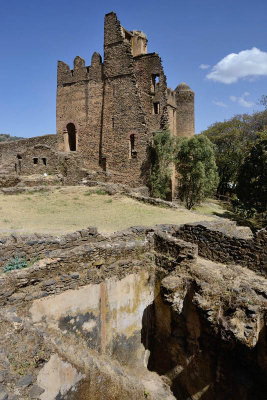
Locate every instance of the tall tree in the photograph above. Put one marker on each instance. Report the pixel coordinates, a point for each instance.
(233, 140)
(162, 154)
(196, 166)
(251, 187)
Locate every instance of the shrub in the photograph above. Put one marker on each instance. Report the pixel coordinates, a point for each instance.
(195, 163)
(15, 263)
(161, 153)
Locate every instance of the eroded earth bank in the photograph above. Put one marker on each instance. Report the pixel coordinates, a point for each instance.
(170, 312)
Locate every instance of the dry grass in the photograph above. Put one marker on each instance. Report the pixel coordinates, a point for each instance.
(71, 208)
(210, 207)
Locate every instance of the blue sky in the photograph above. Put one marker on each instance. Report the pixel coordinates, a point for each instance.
(187, 34)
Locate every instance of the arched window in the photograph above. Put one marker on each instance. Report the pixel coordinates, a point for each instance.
(71, 136)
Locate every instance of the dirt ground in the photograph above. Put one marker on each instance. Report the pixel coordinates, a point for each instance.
(67, 209)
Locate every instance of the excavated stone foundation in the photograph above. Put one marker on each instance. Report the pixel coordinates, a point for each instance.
(134, 315)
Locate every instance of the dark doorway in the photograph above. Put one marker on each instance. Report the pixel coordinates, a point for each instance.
(71, 136)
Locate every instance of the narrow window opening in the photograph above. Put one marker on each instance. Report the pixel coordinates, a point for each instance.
(18, 167)
(35, 160)
(104, 163)
(156, 108)
(154, 82)
(112, 123)
(44, 160)
(133, 153)
(71, 136)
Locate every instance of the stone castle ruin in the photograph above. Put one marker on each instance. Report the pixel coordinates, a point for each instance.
(165, 312)
(106, 114)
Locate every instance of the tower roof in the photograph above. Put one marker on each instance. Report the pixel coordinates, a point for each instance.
(183, 87)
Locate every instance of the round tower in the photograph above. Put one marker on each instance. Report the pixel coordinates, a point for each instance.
(185, 114)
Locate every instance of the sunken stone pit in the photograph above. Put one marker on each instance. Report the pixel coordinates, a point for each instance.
(139, 314)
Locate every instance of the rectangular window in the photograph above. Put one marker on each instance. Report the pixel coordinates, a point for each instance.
(44, 160)
(35, 160)
(133, 153)
(156, 108)
(154, 82)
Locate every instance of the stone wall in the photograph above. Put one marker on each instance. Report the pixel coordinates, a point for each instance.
(10, 150)
(227, 244)
(105, 311)
(79, 102)
(147, 67)
(123, 115)
(39, 246)
(73, 268)
(38, 159)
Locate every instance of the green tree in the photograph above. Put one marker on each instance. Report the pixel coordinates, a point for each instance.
(263, 100)
(196, 166)
(251, 187)
(162, 153)
(233, 140)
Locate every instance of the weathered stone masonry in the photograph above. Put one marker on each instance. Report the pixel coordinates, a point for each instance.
(107, 113)
(95, 316)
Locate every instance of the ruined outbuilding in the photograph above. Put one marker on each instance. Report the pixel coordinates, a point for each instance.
(107, 113)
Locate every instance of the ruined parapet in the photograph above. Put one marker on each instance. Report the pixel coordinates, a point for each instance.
(139, 43)
(117, 48)
(185, 117)
(80, 72)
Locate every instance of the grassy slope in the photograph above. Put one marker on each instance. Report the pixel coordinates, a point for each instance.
(71, 208)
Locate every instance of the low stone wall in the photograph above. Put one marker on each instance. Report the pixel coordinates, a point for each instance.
(37, 246)
(70, 268)
(227, 244)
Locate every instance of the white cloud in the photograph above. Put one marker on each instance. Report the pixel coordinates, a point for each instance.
(246, 64)
(204, 66)
(242, 101)
(219, 103)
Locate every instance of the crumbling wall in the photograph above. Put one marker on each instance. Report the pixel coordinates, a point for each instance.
(152, 88)
(36, 246)
(105, 308)
(123, 115)
(38, 159)
(226, 243)
(10, 150)
(208, 326)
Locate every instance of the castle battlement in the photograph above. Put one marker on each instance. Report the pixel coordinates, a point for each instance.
(80, 72)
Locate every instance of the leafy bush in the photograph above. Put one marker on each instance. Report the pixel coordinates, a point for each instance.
(195, 164)
(162, 153)
(15, 263)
